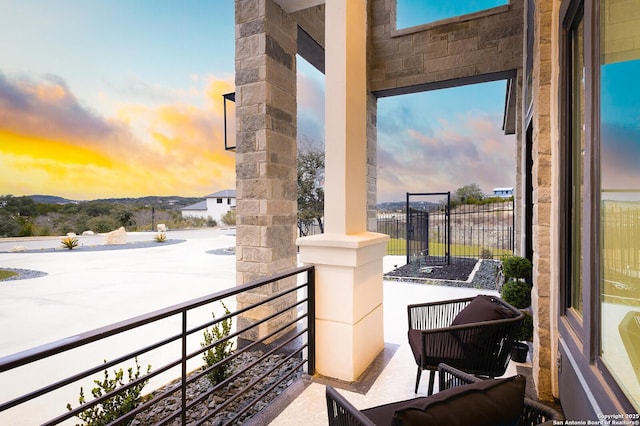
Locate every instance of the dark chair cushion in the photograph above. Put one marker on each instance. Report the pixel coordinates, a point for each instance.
(494, 402)
(439, 347)
(383, 414)
(482, 308)
(484, 341)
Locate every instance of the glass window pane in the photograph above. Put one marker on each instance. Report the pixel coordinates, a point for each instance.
(577, 162)
(620, 192)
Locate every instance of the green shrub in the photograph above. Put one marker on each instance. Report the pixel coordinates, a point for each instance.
(118, 405)
(220, 351)
(517, 267)
(516, 293)
(70, 242)
(160, 237)
(229, 218)
(526, 329)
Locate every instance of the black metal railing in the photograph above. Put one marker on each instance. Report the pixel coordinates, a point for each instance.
(272, 329)
(475, 231)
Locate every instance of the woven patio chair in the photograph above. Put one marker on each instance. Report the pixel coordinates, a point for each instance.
(487, 402)
(473, 334)
(533, 412)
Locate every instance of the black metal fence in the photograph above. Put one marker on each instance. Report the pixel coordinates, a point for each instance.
(478, 231)
(43, 380)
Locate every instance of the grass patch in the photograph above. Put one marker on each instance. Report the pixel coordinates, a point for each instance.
(4, 274)
(398, 246)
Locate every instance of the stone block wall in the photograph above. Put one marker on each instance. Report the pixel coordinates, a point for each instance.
(485, 42)
(266, 185)
(542, 198)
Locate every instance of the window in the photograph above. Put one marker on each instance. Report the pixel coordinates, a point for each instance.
(620, 193)
(412, 13)
(219, 200)
(229, 201)
(574, 162)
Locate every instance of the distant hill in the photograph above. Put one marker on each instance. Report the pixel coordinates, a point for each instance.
(167, 202)
(400, 206)
(50, 199)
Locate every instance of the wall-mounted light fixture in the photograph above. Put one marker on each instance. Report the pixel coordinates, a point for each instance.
(230, 125)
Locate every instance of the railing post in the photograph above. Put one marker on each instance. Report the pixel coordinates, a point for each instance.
(183, 386)
(311, 308)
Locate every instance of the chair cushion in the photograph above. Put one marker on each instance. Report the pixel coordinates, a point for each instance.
(494, 402)
(482, 308)
(439, 347)
(383, 414)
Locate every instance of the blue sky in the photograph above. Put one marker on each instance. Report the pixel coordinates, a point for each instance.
(108, 98)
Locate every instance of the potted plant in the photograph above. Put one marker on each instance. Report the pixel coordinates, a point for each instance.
(517, 292)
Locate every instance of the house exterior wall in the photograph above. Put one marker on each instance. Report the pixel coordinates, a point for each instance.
(216, 210)
(482, 43)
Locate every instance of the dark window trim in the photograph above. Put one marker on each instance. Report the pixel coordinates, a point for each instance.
(570, 11)
(583, 340)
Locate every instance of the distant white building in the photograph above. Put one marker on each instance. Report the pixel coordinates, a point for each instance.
(214, 206)
(503, 192)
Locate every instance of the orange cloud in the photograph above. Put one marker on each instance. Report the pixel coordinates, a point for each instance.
(50, 143)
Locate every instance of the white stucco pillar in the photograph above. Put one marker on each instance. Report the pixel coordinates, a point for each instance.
(348, 259)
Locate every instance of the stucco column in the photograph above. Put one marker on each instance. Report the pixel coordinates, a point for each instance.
(348, 259)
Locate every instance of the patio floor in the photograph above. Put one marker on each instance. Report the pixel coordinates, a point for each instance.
(392, 375)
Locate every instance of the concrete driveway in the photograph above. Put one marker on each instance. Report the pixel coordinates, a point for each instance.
(94, 286)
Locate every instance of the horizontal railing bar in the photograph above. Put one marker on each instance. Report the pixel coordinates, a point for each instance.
(244, 330)
(86, 373)
(57, 347)
(43, 351)
(246, 308)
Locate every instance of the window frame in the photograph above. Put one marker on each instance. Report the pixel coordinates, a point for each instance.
(583, 336)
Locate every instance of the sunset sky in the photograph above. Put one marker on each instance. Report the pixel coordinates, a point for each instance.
(118, 98)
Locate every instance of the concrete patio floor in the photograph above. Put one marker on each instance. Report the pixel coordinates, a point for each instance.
(393, 378)
(85, 290)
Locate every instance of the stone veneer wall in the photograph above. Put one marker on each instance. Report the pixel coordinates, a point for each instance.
(480, 43)
(266, 174)
(543, 98)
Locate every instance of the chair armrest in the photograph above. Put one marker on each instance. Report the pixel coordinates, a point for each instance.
(449, 377)
(534, 413)
(341, 412)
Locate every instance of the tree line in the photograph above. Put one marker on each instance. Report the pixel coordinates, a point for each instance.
(23, 217)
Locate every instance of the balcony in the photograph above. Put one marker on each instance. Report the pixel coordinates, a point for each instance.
(390, 378)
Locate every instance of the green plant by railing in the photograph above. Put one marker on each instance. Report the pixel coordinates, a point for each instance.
(70, 242)
(220, 351)
(119, 404)
(161, 237)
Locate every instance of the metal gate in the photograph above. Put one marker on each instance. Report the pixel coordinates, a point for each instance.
(429, 228)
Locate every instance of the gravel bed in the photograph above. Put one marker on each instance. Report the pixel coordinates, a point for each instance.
(462, 272)
(202, 385)
(23, 274)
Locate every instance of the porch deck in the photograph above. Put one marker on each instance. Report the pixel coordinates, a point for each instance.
(390, 378)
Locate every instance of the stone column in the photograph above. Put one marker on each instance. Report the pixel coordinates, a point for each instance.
(266, 148)
(544, 279)
(348, 259)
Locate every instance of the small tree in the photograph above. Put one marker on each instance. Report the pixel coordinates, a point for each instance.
(468, 194)
(116, 406)
(220, 351)
(310, 192)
